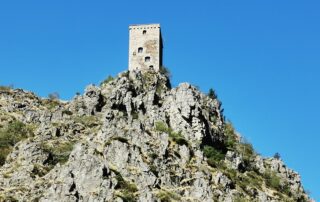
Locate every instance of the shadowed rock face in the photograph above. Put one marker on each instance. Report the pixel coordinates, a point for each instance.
(133, 139)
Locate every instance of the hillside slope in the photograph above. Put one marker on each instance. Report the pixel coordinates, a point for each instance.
(132, 139)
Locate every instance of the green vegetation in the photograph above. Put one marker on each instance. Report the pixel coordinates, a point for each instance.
(165, 71)
(154, 170)
(212, 94)
(274, 182)
(121, 139)
(126, 74)
(231, 137)
(277, 155)
(233, 143)
(167, 196)
(216, 154)
(54, 96)
(213, 155)
(230, 173)
(67, 112)
(159, 88)
(39, 170)
(8, 198)
(148, 79)
(135, 115)
(174, 136)
(178, 138)
(90, 121)
(127, 189)
(162, 127)
(5, 88)
(254, 179)
(58, 153)
(246, 149)
(240, 199)
(153, 155)
(11, 135)
(4, 152)
(248, 180)
(107, 80)
(51, 103)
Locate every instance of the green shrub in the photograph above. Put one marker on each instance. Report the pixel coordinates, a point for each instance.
(247, 151)
(153, 155)
(277, 155)
(127, 196)
(174, 136)
(211, 152)
(5, 88)
(39, 170)
(231, 174)
(107, 80)
(231, 137)
(254, 179)
(178, 138)
(212, 94)
(8, 198)
(154, 170)
(165, 71)
(90, 121)
(67, 112)
(240, 199)
(272, 180)
(135, 115)
(118, 138)
(51, 103)
(58, 153)
(213, 155)
(4, 152)
(167, 196)
(159, 89)
(11, 135)
(121, 139)
(162, 127)
(54, 96)
(127, 189)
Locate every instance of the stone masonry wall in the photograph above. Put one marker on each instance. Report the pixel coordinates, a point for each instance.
(144, 47)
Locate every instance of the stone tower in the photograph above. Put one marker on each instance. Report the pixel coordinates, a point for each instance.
(145, 47)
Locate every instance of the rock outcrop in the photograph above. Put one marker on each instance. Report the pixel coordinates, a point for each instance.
(134, 138)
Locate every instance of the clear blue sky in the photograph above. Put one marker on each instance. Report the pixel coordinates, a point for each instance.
(262, 57)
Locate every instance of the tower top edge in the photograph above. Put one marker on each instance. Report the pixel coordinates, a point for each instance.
(145, 25)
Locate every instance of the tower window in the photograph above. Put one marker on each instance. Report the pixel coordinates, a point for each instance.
(147, 59)
(144, 32)
(151, 66)
(140, 50)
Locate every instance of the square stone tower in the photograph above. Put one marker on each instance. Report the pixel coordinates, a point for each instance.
(145, 47)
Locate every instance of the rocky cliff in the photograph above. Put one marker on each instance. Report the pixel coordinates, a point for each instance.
(134, 138)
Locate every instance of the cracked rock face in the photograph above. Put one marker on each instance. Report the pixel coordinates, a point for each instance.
(134, 138)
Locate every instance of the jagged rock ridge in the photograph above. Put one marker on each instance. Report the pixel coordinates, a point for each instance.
(132, 139)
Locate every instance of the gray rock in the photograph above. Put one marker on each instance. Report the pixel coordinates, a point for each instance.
(105, 146)
(234, 160)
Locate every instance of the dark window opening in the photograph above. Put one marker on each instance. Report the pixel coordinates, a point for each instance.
(144, 32)
(140, 50)
(147, 59)
(151, 66)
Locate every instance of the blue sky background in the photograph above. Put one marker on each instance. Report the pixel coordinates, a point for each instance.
(262, 57)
